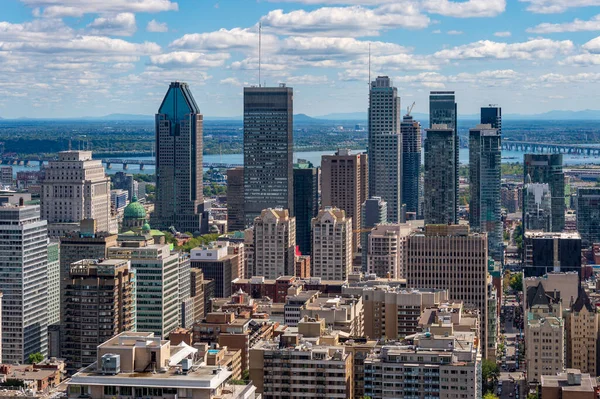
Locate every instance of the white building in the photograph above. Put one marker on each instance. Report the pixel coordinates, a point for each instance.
(332, 245)
(274, 244)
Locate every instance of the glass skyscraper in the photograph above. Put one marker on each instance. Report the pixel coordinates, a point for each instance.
(548, 168)
(588, 214)
(306, 202)
(492, 115)
(440, 181)
(411, 163)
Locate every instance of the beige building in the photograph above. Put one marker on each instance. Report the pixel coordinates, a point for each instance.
(274, 244)
(75, 187)
(345, 185)
(331, 244)
(340, 313)
(387, 243)
(581, 325)
(392, 312)
(141, 365)
(572, 384)
(566, 284)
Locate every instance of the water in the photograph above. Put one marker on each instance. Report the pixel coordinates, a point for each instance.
(315, 158)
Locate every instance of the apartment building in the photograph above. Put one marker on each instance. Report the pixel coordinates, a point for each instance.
(274, 244)
(385, 254)
(331, 244)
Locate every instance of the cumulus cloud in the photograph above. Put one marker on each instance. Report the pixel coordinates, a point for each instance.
(593, 46)
(224, 39)
(231, 82)
(85, 44)
(122, 24)
(307, 80)
(557, 6)
(465, 9)
(502, 34)
(185, 59)
(78, 8)
(316, 48)
(486, 49)
(576, 26)
(155, 26)
(575, 78)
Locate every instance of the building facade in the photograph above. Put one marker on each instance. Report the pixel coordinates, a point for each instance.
(53, 282)
(588, 215)
(411, 164)
(218, 265)
(235, 199)
(274, 244)
(537, 206)
(551, 252)
(387, 243)
(492, 115)
(373, 212)
(332, 245)
(306, 202)
(440, 181)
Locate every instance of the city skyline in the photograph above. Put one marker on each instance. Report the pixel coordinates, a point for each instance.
(98, 59)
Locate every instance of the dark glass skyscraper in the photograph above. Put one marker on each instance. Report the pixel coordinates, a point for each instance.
(548, 168)
(440, 181)
(411, 163)
(235, 199)
(306, 202)
(588, 214)
(443, 111)
(179, 189)
(268, 150)
(492, 115)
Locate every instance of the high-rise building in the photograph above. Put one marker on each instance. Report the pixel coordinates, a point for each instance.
(306, 202)
(385, 145)
(274, 244)
(345, 185)
(53, 282)
(125, 181)
(218, 265)
(588, 215)
(411, 163)
(385, 257)
(24, 282)
(100, 297)
(485, 180)
(443, 111)
(332, 245)
(581, 328)
(235, 199)
(373, 212)
(179, 190)
(551, 252)
(548, 168)
(537, 206)
(441, 182)
(197, 292)
(268, 150)
(492, 115)
(75, 187)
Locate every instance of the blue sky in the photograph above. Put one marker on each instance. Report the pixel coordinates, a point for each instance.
(69, 58)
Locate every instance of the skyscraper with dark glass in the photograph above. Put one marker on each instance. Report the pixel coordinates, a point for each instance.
(439, 206)
(411, 163)
(548, 168)
(588, 214)
(179, 189)
(306, 202)
(492, 115)
(268, 150)
(443, 111)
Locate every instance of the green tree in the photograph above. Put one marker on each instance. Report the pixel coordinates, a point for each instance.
(489, 374)
(490, 395)
(518, 237)
(532, 396)
(516, 282)
(35, 358)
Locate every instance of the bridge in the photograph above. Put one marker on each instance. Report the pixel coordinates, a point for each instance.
(531, 147)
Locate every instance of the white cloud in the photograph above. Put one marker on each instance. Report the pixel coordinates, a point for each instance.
(122, 24)
(307, 80)
(576, 26)
(155, 26)
(318, 48)
(557, 6)
(224, 39)
(231, 81)
(582, 60)
(455, 32)
(35, 31)
(575, 78)
(486, 49)
(78, 8)
(85, 44)
(593, 46)
(184, 59)
(465, 9)
(502, 34)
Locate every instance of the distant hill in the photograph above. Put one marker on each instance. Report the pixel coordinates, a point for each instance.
(588, 114)
(121, 117)
(303, 118)
(348, 116)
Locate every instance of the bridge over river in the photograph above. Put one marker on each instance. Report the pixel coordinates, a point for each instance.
(550, 148)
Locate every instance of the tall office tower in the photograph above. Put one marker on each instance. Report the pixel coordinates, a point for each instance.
(373, 212)
(274, 244)
(411, 163)
(551, 252)
(345, 185)
(235, 199)
(451, 257)
(443, 111)
(53, 282)
(217, 264)
(387, 243)
(24, 282)
(548, 168)
(492, 115)
(268, 150)
(537, 206)
(100, 298)
(74, 188)
(485, 180)
(440, 181)
(385, 145)
(588, 215)
(332, 245)
(306, 202)
(179, 190)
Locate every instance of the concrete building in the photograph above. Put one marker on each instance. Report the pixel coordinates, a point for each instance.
(218, 265)
(274, 244)
(303, 266)
(411, 164)
(75, 187)
(373, 212)
(551, 252)
(53, 282)
(566, 285)
(341, 313)
(306, 202)
(537, 207)
(24, 282)
(141, 365)
(197, 292)
(268, 150)
(588, 215)
(179, 190)
(572, 384)
(125, 181)
(485, 180)
(119, 199)
(581, 328)
(510, 197)
(440, 180)
(385, 146)
(548, 169)
(332, 245)
(6, 175)
(100, 297)
(385, 256)
(345, 185)
(235, 199)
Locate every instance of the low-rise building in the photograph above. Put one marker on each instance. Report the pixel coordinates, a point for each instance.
(340, 313)
(572, 384)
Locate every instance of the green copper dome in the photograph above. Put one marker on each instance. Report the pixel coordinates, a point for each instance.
(146, 227)
(134, 210)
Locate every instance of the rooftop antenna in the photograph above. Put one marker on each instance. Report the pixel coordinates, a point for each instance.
(259, 49)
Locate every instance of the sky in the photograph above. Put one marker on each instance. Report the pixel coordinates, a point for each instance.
(73, 58)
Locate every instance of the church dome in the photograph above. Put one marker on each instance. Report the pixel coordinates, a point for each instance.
(134, 210)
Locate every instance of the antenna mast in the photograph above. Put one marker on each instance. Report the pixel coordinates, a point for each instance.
(369, 63)
(259, 49)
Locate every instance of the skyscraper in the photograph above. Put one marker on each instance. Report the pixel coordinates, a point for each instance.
(24, 282)
(548, 168)
(537, 206)
(443, 110)
(235, 199)
(588, 215)
(385, 145)
(411, 163)
(485, 179)
(179, 189)
(332, 245)
(53, 282)
(373, 212)
(440, 194)
(274, 244)
(306, 202)
(492, 115)
(268, 150)
(345, 185)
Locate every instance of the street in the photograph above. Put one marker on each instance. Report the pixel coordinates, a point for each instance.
(512, 379)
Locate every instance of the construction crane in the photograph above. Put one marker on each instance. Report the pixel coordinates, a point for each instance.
(409, 109)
